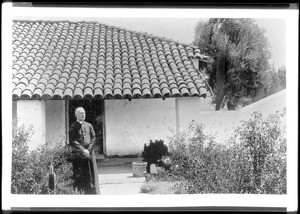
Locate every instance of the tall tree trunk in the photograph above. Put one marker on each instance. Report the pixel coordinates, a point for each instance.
(220, 80)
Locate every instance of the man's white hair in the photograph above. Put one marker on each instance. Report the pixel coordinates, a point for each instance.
(78, 110)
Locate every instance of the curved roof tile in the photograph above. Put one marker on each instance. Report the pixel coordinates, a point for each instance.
(137, 93)
(78, 93)
(203, 92)
(98, 93)
(88, 93)
(194, 92)
(17, 92)
(90, 60)
(117, 93)
(58, 93)
(175, 92)
(37, 92)
(147, 93)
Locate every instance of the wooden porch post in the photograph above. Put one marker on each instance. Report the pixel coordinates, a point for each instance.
(177, 116)
(96, 178)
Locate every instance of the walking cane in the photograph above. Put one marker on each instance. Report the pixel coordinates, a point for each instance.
(51, 176)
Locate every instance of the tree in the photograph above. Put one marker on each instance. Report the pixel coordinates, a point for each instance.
(241, 55)
(282, 77)
(272, 82)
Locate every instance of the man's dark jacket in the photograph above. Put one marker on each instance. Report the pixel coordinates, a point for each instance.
(82, 136)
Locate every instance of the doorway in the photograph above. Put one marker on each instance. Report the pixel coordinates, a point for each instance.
(94, 115)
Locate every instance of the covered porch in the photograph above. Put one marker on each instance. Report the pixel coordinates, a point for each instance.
(123, 126)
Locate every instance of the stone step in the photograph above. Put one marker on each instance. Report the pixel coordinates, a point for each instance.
(115, 161)
(100, 157)
(121, 189)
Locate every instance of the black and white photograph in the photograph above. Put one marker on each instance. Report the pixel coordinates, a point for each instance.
(150, 108)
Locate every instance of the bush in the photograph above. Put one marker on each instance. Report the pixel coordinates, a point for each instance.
(30, 169)
(253, 162)
(22, 177)
(154, 152)
(199, 161)
(260, 145)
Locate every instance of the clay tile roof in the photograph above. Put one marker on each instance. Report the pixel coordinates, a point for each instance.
(63, 60)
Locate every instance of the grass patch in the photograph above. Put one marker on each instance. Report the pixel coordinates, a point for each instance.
(158, 187)
(163, 183)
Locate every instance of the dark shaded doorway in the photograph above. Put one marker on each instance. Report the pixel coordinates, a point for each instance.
(94, 116)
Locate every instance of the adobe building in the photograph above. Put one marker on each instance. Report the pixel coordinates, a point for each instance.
(135, 87)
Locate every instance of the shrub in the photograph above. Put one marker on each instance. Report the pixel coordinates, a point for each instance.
(154, 152)
(22, 177)
(261, 147)
(30, 169)
(253, 162)
(198, 160)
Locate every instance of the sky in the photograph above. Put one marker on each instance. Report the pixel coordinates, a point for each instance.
(183, 30)
(178, 28)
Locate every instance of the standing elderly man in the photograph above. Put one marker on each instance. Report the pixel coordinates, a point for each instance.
(82, 139)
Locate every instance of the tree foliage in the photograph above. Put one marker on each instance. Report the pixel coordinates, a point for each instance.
(241, 53)
(273, 81)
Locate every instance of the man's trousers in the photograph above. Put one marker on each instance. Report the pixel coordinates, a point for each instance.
(83, 175)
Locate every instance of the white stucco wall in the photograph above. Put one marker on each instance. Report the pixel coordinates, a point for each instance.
(32, 112)
(222, 123)
(55, 121)
(130, 124)
(268, 105)
(189, 109)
